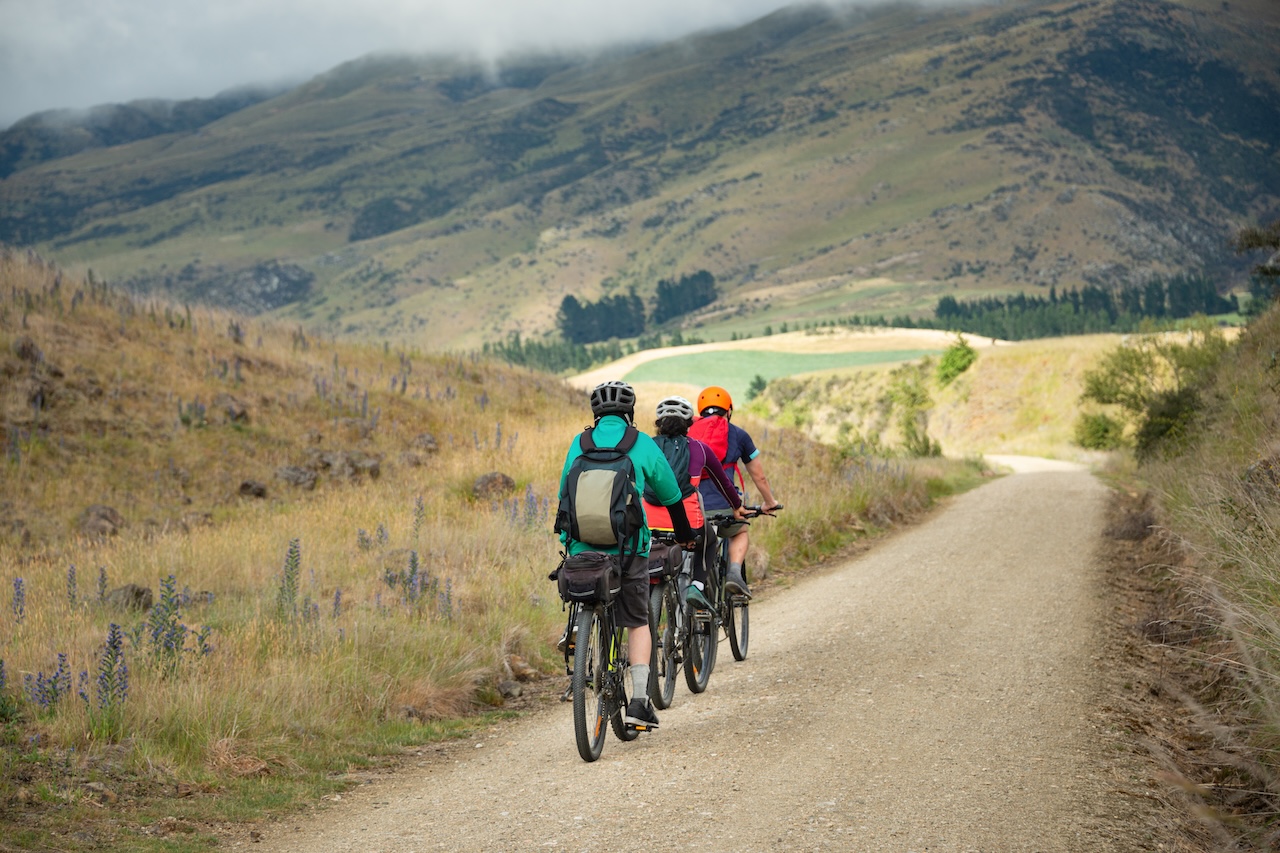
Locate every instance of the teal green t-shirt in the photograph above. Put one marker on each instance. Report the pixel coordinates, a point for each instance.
(651, 468)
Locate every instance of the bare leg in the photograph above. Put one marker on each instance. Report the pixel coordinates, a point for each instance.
(738, 548)
(639, 645)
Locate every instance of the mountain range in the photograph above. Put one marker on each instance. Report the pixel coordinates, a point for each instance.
(822, 161)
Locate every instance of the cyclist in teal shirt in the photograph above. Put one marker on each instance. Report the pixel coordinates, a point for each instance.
(613, 404)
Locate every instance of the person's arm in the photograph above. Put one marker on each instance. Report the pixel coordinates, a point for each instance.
(756, 469)
(680, 524)
(723, 484)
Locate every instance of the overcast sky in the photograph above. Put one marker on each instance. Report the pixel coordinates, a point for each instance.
(78, 53)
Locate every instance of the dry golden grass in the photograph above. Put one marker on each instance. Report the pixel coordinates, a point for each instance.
(311, 663)
(1020, 398)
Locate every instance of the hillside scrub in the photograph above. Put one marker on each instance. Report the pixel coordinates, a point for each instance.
(1152, 380)
(1218, 488)
(291, 640)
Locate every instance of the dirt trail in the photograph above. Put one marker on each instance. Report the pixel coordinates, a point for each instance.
(936, 693)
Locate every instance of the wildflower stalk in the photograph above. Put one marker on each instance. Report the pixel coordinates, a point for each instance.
(287, 594)
(106, 716)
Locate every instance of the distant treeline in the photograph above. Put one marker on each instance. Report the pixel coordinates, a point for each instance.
(561, 356)
(553, 356)
(1087, 310)
(624, 315)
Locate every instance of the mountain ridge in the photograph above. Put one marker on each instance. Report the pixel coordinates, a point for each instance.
(801, 159)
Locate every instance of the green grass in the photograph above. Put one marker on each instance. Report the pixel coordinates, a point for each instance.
(734, 369)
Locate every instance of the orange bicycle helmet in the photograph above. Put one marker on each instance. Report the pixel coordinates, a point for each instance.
(714, 397)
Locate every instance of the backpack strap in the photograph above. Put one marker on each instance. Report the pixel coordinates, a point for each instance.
(628, 441)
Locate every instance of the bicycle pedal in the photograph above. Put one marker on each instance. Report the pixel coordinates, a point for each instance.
(567, 695)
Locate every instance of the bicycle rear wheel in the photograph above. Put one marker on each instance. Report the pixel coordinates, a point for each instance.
(662, 661)
(700, 657)
(590, 668)
(739, 629)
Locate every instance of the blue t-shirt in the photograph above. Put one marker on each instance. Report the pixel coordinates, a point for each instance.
(741, 449)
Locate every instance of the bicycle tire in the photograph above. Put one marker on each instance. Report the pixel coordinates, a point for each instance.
(700, 656)
(589, 684)
(616, 693)
(662, 662)
(738, 627)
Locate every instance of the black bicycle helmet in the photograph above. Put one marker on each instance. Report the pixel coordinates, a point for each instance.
(613, 398)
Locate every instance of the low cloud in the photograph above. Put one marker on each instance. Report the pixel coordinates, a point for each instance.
(78, 53)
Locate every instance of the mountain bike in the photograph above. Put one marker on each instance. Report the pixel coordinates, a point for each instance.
(730, 612)
(667, 621)
(596, 659)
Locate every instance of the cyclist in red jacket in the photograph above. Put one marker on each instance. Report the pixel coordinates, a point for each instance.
(734, 446)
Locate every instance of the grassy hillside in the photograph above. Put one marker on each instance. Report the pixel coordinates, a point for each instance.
(1211, 495)
(1020, 398)
(816, 162)
(296, 636)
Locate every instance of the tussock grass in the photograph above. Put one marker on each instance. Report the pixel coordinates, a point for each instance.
(1221, 497)
(387, 623)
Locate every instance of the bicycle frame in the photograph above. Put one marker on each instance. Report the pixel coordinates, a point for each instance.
(596, 662)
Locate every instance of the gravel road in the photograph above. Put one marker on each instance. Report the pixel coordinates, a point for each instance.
(938, 693)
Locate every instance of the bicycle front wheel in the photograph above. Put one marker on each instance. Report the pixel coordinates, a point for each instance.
(662, 661)
(700, 657)
(739, 629)
(590, 669)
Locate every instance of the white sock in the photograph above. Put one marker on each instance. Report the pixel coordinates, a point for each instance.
(640, 681)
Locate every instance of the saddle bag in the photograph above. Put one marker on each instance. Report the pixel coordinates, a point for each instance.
(665, 559)
(591, 577)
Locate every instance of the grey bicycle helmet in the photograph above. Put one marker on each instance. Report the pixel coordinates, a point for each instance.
(675, 407)
(613, 398)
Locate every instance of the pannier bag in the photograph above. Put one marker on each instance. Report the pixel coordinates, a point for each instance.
(664, 559)
(590, 578)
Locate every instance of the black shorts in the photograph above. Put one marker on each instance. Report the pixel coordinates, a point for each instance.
(632, 604)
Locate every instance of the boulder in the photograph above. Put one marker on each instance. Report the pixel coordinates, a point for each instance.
(129, 597)
(294, 475)
(520, 669)
(493, 485)
(24, 347)
(1262, 479)
(253, 489)
(100, 521)
(347, 464)
(425, 441)
(234, 410)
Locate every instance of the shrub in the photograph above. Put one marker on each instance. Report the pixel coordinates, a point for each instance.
(1168, 422)
(1099, 432)
(956, 360)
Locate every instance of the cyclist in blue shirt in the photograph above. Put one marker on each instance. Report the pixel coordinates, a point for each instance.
(716, 408)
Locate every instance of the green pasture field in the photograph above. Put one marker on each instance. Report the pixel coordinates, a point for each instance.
(734, 369)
